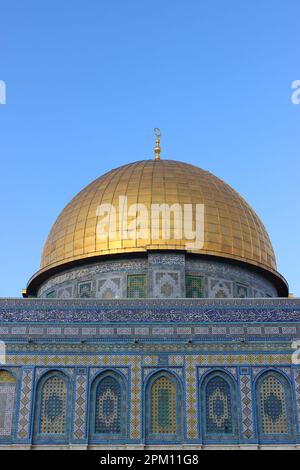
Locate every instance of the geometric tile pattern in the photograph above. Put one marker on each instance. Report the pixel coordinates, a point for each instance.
(191, 397)
(85, 290)
(136, 399)
(136, 287)
(109, 288)
(204, 360)
(297, 391)
(246, 402)
(167, 285)
(177, 328)
(280, 311)
(7, 403)
(245, 347)
(80, 406)
(273, 406)
(25, 403)
(108, 406)
(65, 293)
(175, 370)
(53, 403)
(219, 414)
(119, 363)
(163, 406)
(97, 371)
(220, 288)
(194, 287)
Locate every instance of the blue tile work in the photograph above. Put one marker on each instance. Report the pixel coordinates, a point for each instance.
(130, 381)
(150, 310)
(166, 273)
(137, 286)
(85, 290)
(24, 405)
(163, 407)
(108, 418)
(274, 406)
(194, 287)
(109, 404)
(80, 404)
(52, 407)
(246, 406)
(219, 278)
(219, 412)
(7, 403)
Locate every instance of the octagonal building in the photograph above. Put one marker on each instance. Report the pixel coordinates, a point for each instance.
(157, 320)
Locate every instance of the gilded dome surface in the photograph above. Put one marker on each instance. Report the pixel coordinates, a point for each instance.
(231, 227)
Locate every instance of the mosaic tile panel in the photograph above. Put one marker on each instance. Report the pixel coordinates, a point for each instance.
(81, 391)
(220, 288)
(164, 260)
(109, 288)
(7, 403)
(92, 272)
(95, 359)
(36, 311)
(85, 290)
(194, 287)
(191, 401)
(273, 406)
(65, 292)
(297, 392)
(53, 413)
(241, 291)
(25, 404)
(219, 412)
(122, 364)
(135, 414)
(247, 407)
(108, 406)
(123, 371)
(163, 407)
(137, 287)
(167, 285)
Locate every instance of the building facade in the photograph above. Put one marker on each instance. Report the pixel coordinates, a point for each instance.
(139, 340)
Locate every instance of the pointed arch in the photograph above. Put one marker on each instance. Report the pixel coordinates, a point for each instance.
(7, 404)
(52, 412)
(163, 407)
(108, 407)
(218, 396)
(274, 406)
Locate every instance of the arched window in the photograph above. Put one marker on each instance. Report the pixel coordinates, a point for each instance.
(7, 404)
(274, 405)
(52, 407)
(219, 406)
(163, 412)
(108, 403)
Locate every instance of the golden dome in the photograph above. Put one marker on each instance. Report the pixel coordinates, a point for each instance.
(231, 230)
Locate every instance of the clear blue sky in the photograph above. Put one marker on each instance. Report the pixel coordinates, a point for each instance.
(88, 80)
